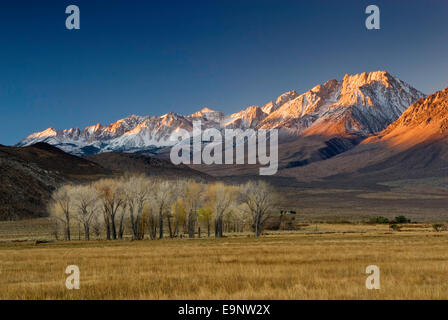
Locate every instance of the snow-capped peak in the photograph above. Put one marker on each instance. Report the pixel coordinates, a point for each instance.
(202, 112)
(207, 114)
(361, 104)
(50, 132)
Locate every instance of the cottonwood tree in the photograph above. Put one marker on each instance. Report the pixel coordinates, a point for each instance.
(162, 201)
(179, 214)
(220, 198)
(112, 198)
(95, 226)
(152, 221)
(176, 215)
(85, 202)
(258, 199)
(137, 191)
(205, 216)
(241, 217)
(61, 207)
(193, 195)
(121, 217)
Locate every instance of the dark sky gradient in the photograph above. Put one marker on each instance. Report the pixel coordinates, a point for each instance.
(150, 57)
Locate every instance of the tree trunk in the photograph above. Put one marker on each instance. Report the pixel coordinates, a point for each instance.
(86, 231)
(191, 225)
(154, 231)
(257, 226)
(139, 228)
(114, 228)
(67, 226)
(133, 223)
(136, 228)
(176, 229)
(67, 232)
(121, 227)
(152, 228)
(218, 227)
(169, 226)
(107, 225)
(160, 224)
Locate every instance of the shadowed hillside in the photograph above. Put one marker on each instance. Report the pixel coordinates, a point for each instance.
(28, 176)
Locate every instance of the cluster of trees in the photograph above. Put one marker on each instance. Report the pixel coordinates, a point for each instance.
(140, 205)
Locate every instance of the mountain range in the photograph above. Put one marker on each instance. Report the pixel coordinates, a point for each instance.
(358, 105)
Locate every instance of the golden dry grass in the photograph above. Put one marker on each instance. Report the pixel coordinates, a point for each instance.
(413, 265)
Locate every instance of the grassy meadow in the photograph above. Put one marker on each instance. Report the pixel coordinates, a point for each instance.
(319, 261)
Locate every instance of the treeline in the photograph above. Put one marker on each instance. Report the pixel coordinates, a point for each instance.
(153, 207)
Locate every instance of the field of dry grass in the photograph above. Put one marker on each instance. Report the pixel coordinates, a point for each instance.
(318, 262)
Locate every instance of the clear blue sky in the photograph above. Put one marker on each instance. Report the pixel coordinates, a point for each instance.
(150, 57)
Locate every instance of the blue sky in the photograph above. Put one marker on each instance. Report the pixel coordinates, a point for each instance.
(150, 57)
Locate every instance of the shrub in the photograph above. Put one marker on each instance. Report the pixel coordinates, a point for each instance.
(395, 227)
(439, 227)
(379, 220)
(401, 219)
